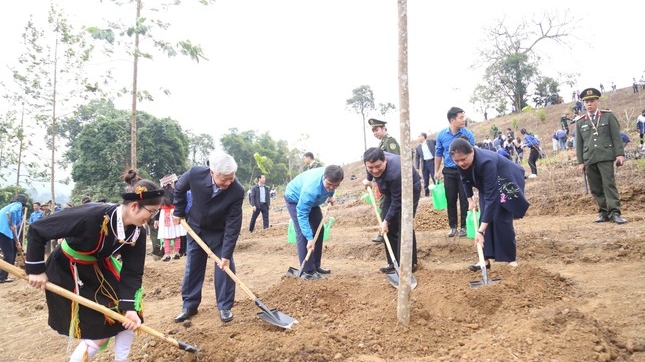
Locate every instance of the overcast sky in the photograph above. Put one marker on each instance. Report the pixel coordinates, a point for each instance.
(288, 66)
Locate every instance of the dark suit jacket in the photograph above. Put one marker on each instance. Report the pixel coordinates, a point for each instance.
(431, 146)
(218, 216)
(389, 184)
(495, 175)
(255, 196)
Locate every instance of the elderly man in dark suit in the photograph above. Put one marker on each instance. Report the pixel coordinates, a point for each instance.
(425, 158)
(216, 216)
(500, 183)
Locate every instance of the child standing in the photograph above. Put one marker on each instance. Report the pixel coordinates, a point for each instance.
(168, 228)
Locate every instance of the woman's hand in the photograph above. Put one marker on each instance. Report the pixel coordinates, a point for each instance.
(134, 321)
(38, 280)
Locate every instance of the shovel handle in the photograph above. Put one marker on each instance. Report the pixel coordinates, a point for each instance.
(94, 306)
(302, 265)
(387, 240)
(210, 253)
(21, 253)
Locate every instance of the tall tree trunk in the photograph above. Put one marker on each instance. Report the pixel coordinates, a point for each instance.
(21, 144)
(407, 218)
(133, 128)
(53, 129)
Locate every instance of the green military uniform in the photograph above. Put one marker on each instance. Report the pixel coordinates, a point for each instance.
(314, 164)
(598, 144)
(389, 144)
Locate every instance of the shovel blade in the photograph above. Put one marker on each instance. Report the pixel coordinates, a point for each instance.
(393, 278)
(293, 272)
(277, 318)
(477, 284)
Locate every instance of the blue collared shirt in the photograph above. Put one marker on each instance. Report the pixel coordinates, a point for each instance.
(35, 216)
(444, 138)
(15, 210)
(307, 190)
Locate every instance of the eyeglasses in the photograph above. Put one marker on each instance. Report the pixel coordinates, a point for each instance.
(153, 213)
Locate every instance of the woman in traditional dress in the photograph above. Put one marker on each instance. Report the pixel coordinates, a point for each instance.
(86, 262)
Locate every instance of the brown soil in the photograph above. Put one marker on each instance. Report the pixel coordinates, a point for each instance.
(577, 294)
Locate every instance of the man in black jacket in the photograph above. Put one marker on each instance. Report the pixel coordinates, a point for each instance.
(260, 199)
(216, 216)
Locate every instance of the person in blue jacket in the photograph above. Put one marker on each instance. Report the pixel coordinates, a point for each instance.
(303, 197)
(500, 184)
(533, 143)
(14, 212)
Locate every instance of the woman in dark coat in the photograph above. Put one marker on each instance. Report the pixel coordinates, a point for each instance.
(500, 183)
(101, 259)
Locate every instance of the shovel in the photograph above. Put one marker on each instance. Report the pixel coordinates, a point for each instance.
(298, 272)
(393, 278)
(19, 251)
(95, 306)
(272, 316)
(480, 253)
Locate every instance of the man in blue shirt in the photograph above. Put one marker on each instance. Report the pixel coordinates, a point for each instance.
(450, 173)
(303, 196)
(37, 214)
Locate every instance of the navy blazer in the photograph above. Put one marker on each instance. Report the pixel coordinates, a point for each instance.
(211, 215)
(500, 182)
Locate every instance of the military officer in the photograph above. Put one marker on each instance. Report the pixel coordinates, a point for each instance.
(388, 143)
(598, 145)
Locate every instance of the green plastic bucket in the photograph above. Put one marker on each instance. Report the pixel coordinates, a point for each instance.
(470, 223)
(439, 196)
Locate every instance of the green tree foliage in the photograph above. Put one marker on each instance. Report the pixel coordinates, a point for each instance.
(510, 57)
(100, 150)
(49, 80)
(547, 88)
(8, 193)
(131, 37)
(200, 146)
(244, 145)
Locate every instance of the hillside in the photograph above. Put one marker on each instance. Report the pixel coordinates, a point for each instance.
(625, 104)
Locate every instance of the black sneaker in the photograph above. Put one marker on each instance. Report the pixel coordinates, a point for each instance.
(6, 280)
(378, 239)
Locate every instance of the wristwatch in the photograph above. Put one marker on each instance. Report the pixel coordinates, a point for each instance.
(481, 232)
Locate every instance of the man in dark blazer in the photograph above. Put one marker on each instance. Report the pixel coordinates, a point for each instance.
(425, 158)
(500, 183)
(384, 169)
(216, 216)
(260, 199)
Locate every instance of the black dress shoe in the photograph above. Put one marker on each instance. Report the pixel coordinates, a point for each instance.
(186, 313)
(226, 315)
(378, 239)
(602, 217)
(615, 217)
(312, 276)
(387, 269)
(453, 232)
(475, 267)
(322, 270)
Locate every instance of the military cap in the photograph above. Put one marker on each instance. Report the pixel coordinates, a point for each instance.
(376, 123)
(590, 93)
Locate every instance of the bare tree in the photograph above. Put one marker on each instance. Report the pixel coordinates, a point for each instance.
(511, 55)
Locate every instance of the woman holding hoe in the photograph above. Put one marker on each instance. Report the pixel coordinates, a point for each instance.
(101, 258)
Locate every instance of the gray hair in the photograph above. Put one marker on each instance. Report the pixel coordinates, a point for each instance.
(222, 163)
